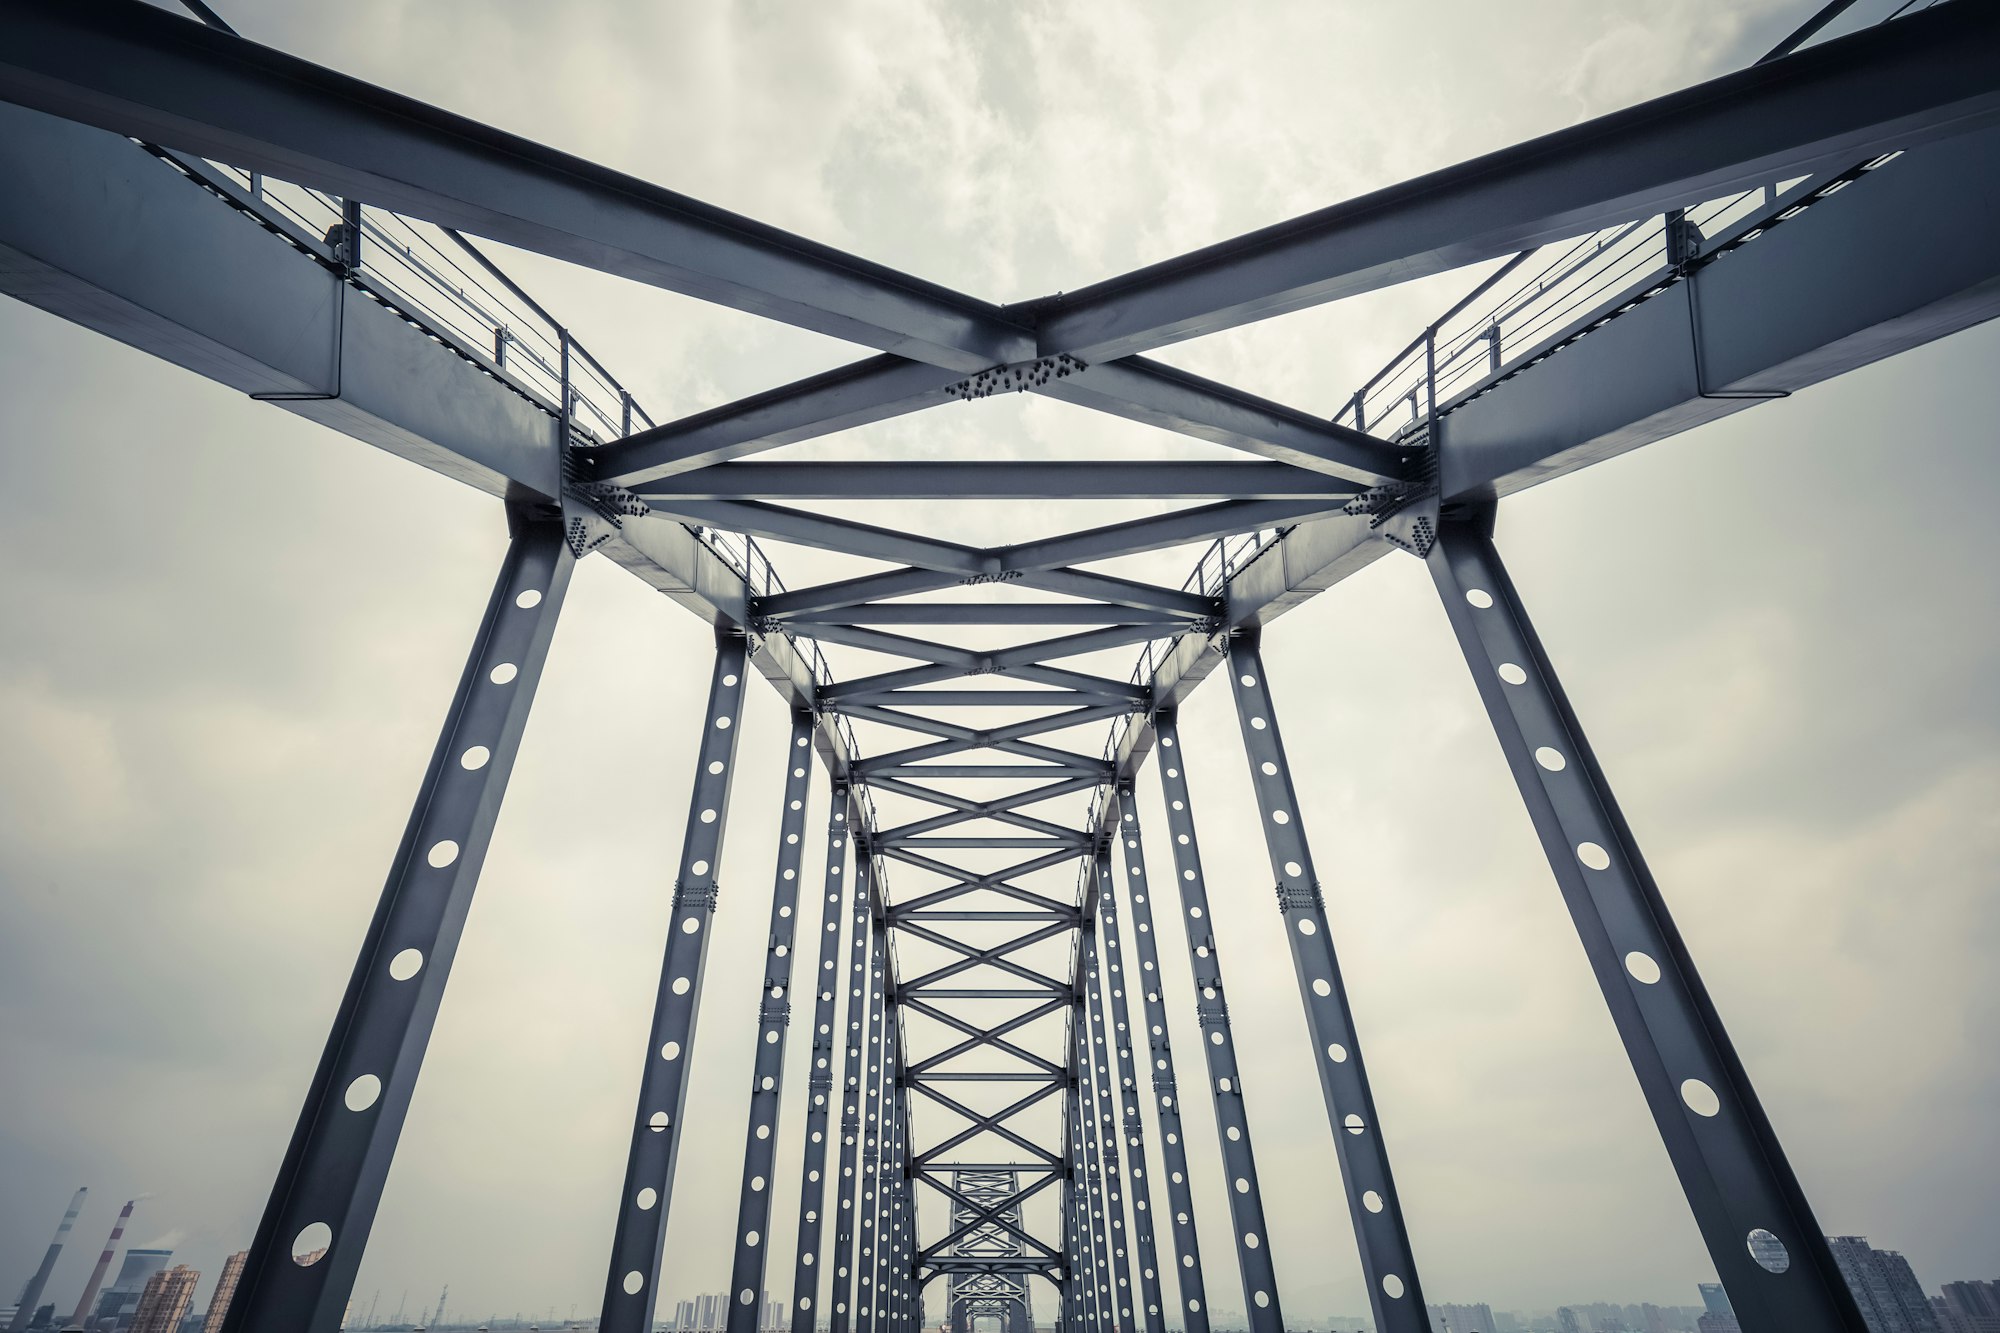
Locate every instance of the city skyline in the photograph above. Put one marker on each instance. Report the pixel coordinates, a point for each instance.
(206, 778)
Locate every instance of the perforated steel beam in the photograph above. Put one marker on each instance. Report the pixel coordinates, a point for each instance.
(1114, 1010)
(820, 1096)
(774, 1012)
(1160, 1066)
(867, 1184)
(854, 1065)
(1761, 1235)
(1386, 1259)
(632, 1286)
(330, 1181)
(1218, 1048)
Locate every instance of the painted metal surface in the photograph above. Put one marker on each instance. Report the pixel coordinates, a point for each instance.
(631, 1290)
(1761, 1235)
(309, 1244)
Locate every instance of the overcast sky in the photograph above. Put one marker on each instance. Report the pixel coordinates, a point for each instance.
(231, 635)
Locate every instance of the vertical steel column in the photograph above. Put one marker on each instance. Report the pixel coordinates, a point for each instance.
(1107, 1115)
(1760, 1231)
(1180, 1199)
(860, 995)
(901, 1267)
(760, 1143)
(1070, 1313)
(1386, 1260)
(1113, 969)
(812, 1185)
(308, 1246)
(1246, 1195)
(1103, 1311)
(885, 1141)
(869, 1184)
(632, 1285)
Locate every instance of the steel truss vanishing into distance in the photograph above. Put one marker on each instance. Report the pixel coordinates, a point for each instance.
(978, 1107)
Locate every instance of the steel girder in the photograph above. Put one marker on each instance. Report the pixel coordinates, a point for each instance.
(330, 1181)
(1752, 1212)
(1032, 1077)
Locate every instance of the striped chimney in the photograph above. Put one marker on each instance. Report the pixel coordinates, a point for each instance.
(33, 1291)
(103, 1263)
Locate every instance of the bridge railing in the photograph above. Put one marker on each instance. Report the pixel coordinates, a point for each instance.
(448, 287)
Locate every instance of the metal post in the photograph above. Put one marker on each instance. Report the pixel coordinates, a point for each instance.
(1134, 1128)
(902, 1267)
(1761, 1235)
(1386, 1260)
(760, 1144)
(1107, 1110)
(869, 1183)
(812, 1187)
(308, 1246)
(632, 1284)
(885, 1175)
(860, 996)
(1103, 1310)
(1180, 1200)
(564, 411)
(350, 238)
(1246, 1195)
(1070, 1313)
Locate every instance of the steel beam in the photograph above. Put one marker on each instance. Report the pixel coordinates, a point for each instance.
(134, 69)
(1159, 478)
(819, 1081)
(1159, 1044)
(1761, 1234)
(774, 1016)
(308, 1247)
(869, 1230)
(1105, 1128)
(1386, 1260)
(1114, 999)
(1844, 101)
(632, 1286)
(860, 999)
(1232, 1125)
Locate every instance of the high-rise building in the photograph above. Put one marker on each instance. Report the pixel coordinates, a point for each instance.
(683, 1317)
(164, 1300)
(1714, 1299)
(1567, 1321)
(120, 1300)
(1969, 1307)
(1884, 1286)
(1461, 1318)
(225, 1290)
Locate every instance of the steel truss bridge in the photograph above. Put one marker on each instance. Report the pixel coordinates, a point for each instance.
(989, 948)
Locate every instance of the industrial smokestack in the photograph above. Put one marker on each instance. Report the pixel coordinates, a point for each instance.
(33, 1291)
(103, 1262)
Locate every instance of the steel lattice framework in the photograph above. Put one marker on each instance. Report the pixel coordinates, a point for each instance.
(988, 832)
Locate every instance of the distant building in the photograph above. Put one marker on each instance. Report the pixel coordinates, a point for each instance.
(164, 1301)
(1461, 1318)
(225, 1291)
(1567, 1321)
(1711, 1322)
(1884, 1286)
(118, 1302)
(683, 1317)
(1714, 1299)
(1969, 1307)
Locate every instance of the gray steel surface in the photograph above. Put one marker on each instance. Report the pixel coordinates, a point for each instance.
(969, 1058)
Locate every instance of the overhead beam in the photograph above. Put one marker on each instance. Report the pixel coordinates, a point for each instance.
(135, 69)
(1022, 479)
(1895, 85)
